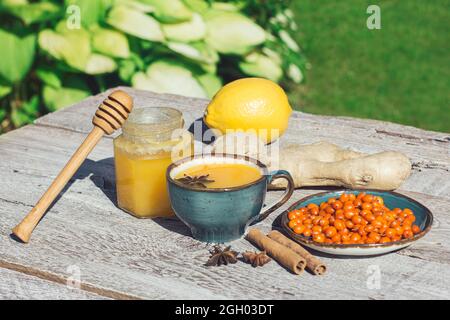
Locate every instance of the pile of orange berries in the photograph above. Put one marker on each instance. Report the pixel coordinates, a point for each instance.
(353, 219)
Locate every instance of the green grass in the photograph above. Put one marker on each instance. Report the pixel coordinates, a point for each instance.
(400, 73)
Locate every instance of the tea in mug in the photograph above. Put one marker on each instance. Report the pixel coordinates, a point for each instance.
(219, 175)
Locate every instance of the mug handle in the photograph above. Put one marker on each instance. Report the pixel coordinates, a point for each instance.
(278, 174)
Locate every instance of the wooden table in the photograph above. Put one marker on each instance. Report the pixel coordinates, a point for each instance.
(85, 236)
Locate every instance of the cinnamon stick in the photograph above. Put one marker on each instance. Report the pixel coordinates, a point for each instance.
(312, 263)
(283, 255)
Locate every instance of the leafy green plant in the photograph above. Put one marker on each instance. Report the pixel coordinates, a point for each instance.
(57, 52)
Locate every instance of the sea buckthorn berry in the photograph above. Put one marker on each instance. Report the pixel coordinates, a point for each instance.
(343, 198)
(317, 229)
(307, 232)
(299, 229)
(379, 200)
(399, 230)
(292, 215)
(357, 203)
(320, 238)
(330, 232)
(356, 219)
(337, 205)
(348, 206)
(331, 200)
(385, 240)
(367, 198)
(360, 195)
(349, 224)
(324, 222)
(349, 214)
(397, 210)
(366, 206)
(314, 211)
(345, 238)
(292, 224)
(329, 210)
(390, 232)
(355, 237)
(394, 224)
(408, 234)
(339, 224)
(336, 238)
(408, 211)
(415, 229)
(312, 205)
(351, 197)
(339, 215)
(374, 236)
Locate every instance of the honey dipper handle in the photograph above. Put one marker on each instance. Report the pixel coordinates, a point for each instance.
(24, 229)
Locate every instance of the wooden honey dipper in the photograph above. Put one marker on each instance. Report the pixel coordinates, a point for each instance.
(110, 116)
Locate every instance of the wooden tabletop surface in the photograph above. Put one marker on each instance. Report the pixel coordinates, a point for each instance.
(87, 248)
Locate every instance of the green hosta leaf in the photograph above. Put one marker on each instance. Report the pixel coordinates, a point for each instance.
(4, 90)
(126, 70)
(170, 11)
(200, 6)
(71, 46)
(26, 113)
(211, 83)
(98, 64)
(227, 6)
(91, 11)
(231, 32)
(192, 30)
(295, 73)
(195, 51)
(74, 91)
(256, 64)
(287, 39)
(31, 12)
(166, 76)
(49, 77)
(2, 116)
(17, 55)
(136, 5)
(135, 23)
(110, 42)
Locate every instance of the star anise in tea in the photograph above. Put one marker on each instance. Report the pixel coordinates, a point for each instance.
(221, 256)
(256, 259)
(195, 181)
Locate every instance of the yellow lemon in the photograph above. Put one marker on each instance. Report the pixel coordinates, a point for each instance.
(250, 104)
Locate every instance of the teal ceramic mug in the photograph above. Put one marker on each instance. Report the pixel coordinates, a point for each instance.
(218, 215)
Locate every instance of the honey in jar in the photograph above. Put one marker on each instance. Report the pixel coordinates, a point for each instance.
(151, 139)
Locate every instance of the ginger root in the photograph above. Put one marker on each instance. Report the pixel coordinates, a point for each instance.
(326, 164)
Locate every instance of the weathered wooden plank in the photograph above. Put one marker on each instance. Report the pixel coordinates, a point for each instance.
(429, 151)
(157, 259)
(19, 286)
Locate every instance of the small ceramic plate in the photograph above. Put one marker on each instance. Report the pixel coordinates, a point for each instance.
(424, 219)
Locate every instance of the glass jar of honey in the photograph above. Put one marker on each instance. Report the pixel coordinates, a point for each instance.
(151, 139)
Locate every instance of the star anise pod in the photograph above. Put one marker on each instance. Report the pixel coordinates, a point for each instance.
(221, 257)
(195, 181)
(256, 259)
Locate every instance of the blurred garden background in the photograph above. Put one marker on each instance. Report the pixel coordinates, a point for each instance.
(57, 52)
